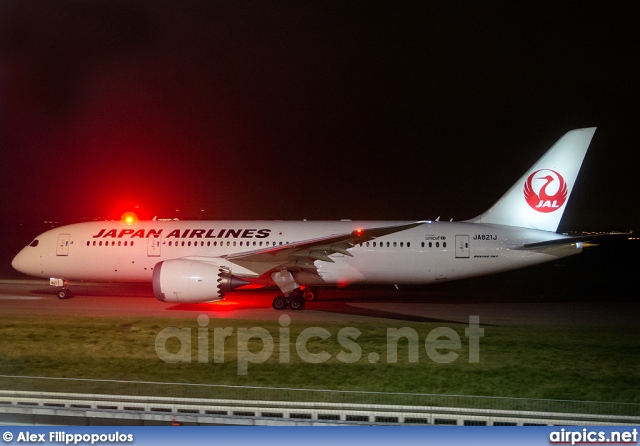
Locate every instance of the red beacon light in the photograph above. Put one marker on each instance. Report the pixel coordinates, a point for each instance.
(359, 232)
(129, 218)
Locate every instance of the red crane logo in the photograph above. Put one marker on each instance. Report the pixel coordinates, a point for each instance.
(541, 201)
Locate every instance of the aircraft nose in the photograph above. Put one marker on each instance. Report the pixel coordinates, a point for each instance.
(18, 262)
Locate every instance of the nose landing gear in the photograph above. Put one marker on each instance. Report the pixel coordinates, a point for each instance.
(64, 292)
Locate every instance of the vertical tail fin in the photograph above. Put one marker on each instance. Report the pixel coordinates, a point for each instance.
(540, 196)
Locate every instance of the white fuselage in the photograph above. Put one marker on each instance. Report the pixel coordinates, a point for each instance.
(200, 261)
(112, 251)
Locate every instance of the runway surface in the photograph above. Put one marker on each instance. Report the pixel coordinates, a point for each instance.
(451, 305)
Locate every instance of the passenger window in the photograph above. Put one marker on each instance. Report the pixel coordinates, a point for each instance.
(437, 244)
(444, 244)
(430, 244)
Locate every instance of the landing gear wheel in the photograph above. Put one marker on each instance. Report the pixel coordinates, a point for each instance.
(279, 303)
(64, 294)
(310, 294)
(296, 302)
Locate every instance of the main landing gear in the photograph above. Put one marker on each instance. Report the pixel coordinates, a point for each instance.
(295, 299)
(293, 295)
(310, 294)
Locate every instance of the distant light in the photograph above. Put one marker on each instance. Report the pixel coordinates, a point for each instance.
(129, 218)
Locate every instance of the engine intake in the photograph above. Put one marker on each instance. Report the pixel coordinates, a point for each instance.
(192, 281)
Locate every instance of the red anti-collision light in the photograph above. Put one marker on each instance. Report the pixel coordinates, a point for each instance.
(129, 217)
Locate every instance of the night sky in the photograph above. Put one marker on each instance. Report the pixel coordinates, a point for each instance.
(317, 110)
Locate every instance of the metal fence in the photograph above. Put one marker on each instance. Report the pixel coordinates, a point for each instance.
(255, 393)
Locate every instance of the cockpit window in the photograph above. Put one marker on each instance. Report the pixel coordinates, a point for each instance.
(34, 243)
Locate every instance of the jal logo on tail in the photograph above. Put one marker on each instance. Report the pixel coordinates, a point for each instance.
(545, 190)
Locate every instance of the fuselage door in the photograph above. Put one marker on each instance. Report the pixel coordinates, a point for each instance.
(62, 249)
(462, 246)
(153, 245)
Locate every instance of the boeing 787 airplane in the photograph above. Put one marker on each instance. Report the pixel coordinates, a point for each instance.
(200, 261)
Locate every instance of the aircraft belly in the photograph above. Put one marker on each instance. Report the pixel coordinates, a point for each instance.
(394, 267)
(340, 273)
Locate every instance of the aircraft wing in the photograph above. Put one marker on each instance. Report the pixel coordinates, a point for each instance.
(302, 254)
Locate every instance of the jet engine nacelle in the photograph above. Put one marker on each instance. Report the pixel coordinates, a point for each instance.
(193, 281)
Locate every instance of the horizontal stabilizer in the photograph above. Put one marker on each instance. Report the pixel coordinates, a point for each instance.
(583, 239)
